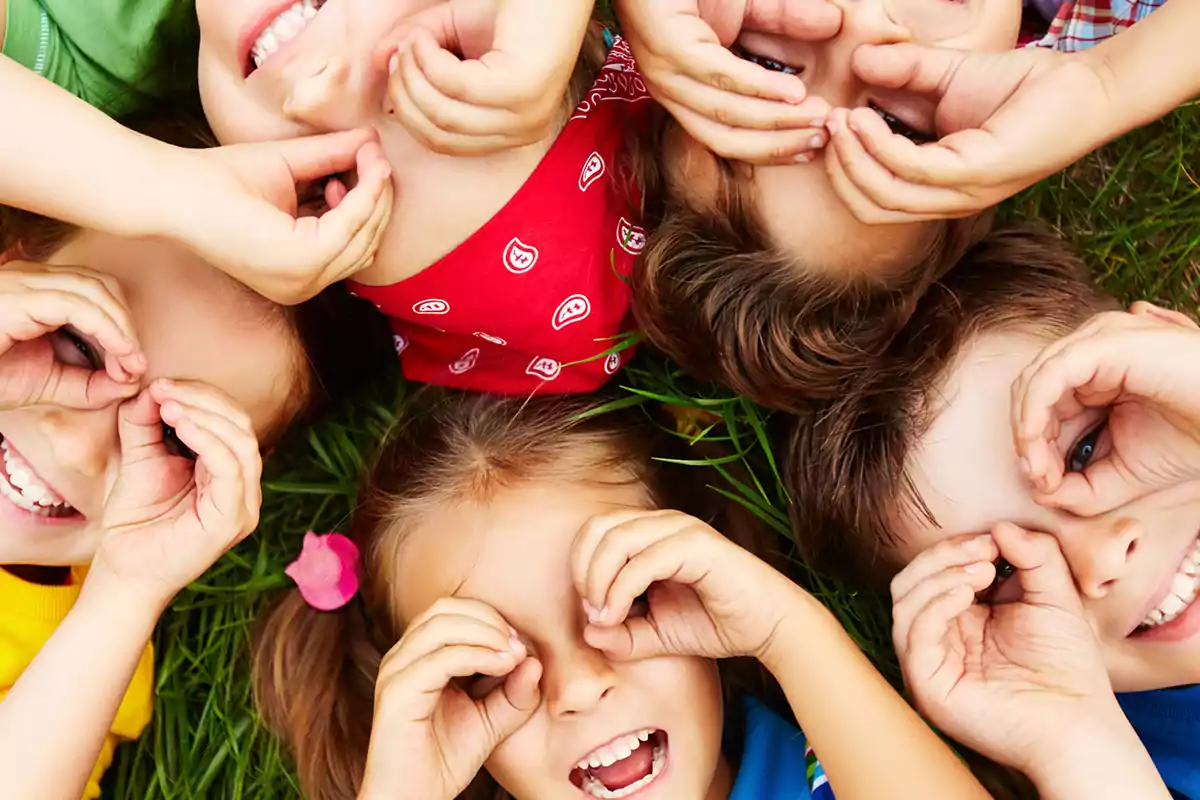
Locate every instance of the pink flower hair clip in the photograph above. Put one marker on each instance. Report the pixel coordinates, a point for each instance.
(326, 571)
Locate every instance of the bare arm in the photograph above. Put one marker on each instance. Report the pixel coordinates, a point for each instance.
(871, 743)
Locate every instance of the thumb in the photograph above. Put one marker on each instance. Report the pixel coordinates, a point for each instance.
(806, 20)
(139, 424)
(1099, 489)
(512, 704)
(85, 389)
(633, 640)
(1043, 572)
(911, 67)
(313, 157)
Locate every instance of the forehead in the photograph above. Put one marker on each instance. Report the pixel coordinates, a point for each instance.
(965, 467)
(512, 552)
(194, 323)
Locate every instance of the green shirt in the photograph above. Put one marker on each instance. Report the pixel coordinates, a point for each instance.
(95, 49)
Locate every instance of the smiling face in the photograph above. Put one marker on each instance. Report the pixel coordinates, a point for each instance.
(797, 203)
(194, 324)
(1137, 568)
(655, 723)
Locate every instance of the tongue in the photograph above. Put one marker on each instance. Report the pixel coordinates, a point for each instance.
(627, 771)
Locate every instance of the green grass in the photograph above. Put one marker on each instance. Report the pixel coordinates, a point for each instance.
(1133, 208)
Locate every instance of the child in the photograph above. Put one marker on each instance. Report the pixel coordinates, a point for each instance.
(769, 278)
(1000, 401)
(544, 620)
(504, 266)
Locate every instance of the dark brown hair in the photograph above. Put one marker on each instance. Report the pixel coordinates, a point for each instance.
(845, 460)
(716, 295)
(341, 342)
(315, 672)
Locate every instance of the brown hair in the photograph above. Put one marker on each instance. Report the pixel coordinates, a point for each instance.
(845, 460)
(716, 295)
(315, 672)
(341, 343)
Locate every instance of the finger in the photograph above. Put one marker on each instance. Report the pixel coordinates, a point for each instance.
(614, 552)
(957, 551)
(978, 576)
(139, 427)
(806, 20)
(335, 192)
(125, 358)
(204, 397)
(634, 640)
(510, 705)
(1043, 572)
(911, 67)
(653, 555)
(314, 157)
(924, 651)
(82, 388)
(363, 248)
(422, 128)
(47, 310)
(588, 538)
(362, 211)
(935, 167)
(881, 187)
(711, 64)
(737, 111)
(750, 146)
(446, 630)
(1097, 490)
(243, 444)
(461, 606)
(221, 506)
(429, 676)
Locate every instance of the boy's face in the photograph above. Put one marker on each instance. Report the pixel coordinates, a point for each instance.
(518, 562)
(272, 69)
(1127, 563)
(797, 203)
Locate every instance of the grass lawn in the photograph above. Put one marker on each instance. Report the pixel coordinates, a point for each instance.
(1134, 209)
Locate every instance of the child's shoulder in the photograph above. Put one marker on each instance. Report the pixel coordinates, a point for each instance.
(1081, 24)
(103, 51)
(776, 761)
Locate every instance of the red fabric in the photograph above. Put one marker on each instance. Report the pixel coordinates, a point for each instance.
(543, 285)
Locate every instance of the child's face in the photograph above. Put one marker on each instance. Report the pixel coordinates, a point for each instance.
(512, 554)
(967, 471)
(797, 203)
(320, 70)
(193, 324)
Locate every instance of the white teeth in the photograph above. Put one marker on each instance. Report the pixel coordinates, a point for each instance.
(595, 788)
(1185, 587)
(282, 30)
(23, 487)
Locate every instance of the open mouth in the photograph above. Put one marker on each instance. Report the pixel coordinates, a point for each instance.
(279, 30)
(23, 487)
(1185, 587)
(622, 767)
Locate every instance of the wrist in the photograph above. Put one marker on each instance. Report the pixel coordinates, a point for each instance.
(799, 612)
(120, 605)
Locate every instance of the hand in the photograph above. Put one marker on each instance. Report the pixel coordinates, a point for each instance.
(180, 500)
(704, 595)
(1143, 368)
(735, 108)
(432, 731)
(1007, 120)
(1013, 679)
(505, 91)
(242, 203)
(40, 363)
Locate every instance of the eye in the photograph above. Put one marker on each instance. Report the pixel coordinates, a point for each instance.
(174, 445)
(72, 349)
(1084, 450)
(1003, 589)
(902, 128)
(766, 63)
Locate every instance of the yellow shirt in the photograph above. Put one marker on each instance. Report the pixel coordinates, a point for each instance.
(29, 614)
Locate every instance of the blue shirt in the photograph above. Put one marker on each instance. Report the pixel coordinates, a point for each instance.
(1168, 723)
(776, 763)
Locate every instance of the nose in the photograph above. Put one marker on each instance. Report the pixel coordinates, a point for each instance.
(337, 95)
(577, 681)
(863, 22)
(83, 441)
(1099, 550)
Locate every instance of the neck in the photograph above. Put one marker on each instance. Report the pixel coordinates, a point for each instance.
(722, 783)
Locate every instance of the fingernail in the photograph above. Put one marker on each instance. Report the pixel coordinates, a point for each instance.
(850, 123)
(393, 63)
(1026, 468)
(592, 614)
(819, 122)
(803, 158)
(832, 126)
(816, 142)
(516, 645)
(974, 569)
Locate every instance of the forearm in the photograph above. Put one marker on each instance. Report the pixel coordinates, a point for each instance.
(1070, 772)
(870, 742)
(1151, 68)
(61, 158)
(54, 721)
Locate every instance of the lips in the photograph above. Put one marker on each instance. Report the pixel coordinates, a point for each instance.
(276, 27)
(1175, 601)
(25, 489)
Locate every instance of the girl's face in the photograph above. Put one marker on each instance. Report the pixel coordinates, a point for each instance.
(194, 324)
(274, 69)
(512, 554)
(797, 203)
(1125, 563)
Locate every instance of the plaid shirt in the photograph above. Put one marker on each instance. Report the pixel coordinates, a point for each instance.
(1083, 23)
